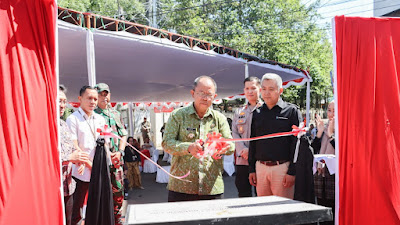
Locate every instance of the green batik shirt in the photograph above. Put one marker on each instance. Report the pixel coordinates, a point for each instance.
(113, 120)
(183, 128)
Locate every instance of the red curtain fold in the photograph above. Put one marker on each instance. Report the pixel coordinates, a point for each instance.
(368, 90)
(29, 161)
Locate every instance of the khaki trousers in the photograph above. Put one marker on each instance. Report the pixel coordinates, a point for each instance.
(270, 180)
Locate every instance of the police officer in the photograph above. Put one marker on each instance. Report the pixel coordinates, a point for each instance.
(241, 126)
(113, 120)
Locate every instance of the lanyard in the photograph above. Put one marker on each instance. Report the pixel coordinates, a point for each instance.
(90, 127)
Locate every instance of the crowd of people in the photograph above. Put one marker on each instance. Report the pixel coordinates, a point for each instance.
(263, 167)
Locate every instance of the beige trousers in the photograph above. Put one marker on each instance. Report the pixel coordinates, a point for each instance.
(270, 180)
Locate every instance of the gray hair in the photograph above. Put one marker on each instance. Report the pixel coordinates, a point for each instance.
(273, 76)
(196, 82)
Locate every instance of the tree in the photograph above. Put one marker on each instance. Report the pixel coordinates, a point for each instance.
(281, 30)
(132, 10)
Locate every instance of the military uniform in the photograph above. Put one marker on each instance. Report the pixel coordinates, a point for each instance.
(145, 129)
(113, 120)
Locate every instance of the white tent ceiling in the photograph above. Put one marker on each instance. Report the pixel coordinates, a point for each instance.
(146, 68)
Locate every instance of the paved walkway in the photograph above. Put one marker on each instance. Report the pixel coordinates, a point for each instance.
(155, 192)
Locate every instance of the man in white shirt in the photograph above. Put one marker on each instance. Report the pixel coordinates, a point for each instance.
(83, 125)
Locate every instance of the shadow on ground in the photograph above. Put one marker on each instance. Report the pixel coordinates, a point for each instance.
(156, 193)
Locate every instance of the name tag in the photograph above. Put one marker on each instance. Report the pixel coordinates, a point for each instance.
(191, 129)
(281, 118)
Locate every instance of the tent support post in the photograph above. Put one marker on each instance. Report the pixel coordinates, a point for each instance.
(246, 70)
(308, 104)
(90, 57)
(130, 115)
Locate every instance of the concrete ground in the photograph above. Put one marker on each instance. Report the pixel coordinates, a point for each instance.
(154, 192)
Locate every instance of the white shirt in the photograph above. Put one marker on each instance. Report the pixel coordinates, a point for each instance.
(82, 129)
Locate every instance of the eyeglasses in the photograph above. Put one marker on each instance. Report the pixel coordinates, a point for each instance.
(205, 95)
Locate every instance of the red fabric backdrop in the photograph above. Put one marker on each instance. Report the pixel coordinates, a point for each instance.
(29, 163)
(368, 85)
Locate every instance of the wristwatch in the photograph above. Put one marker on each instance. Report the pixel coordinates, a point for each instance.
(122, 152)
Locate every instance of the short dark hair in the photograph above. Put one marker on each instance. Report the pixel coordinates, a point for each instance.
(84, 88)
(63, 89)
(196, 82)
(133, 139)
(256, 79)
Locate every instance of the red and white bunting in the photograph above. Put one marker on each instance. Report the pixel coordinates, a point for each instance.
(159, 107)
(75, 105)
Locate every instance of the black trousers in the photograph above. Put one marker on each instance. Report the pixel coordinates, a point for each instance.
(68, 201)
(181, 197)
(242, 181)
(79, 199)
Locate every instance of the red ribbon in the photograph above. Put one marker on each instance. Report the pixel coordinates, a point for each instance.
(296, 130)
(110, 134)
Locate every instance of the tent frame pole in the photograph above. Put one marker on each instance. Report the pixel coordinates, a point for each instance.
(308, 104)
(90, 58)
(130, 115)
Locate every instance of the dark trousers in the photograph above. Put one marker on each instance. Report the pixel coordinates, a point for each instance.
(242, 181)
(68, 201)
(181, 197)
(79, 199)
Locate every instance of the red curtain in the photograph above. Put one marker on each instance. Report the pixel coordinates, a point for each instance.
(368, 89)
(29, 161)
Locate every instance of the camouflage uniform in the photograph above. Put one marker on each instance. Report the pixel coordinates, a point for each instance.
(113, 120)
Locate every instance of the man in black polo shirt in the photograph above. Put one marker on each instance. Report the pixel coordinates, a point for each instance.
(271, 166)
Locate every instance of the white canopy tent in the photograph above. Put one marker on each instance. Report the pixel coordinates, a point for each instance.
(145, 68)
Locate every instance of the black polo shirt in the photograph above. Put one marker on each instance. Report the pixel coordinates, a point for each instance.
(265, 121)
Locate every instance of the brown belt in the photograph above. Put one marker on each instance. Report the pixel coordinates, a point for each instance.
(273, 163)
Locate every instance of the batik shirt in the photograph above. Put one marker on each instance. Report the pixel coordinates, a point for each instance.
(67, 147)
(183, 128)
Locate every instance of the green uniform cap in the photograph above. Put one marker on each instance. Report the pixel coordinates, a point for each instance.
(102, 87)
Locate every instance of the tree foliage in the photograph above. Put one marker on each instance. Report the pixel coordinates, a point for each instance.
(282, 30)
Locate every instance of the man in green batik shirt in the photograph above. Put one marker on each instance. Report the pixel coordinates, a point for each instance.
(184, 127)
(113, 120)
